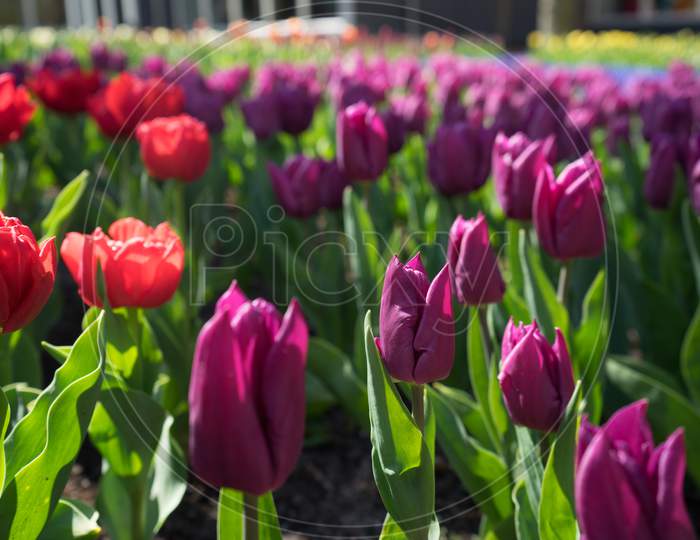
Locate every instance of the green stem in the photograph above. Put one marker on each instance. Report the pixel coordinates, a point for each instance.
(5, 359)
(483, 322)
(417, 406)
(136, 500)
(250, 516)
(563, 286)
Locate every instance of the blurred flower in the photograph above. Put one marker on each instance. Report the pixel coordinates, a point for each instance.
(416, 328)
(175, 147)
(66, 91)
(27, 274)
(16, 109)
(246, 396)
(625, 487)
(415, 111)
(58, 60)
(475, 275)
(229, 82)
(141, 266)
(261, 116)
(459, 158)
(568, 210)
(536, 378)
(104, 59)
(661, 175)
(361, 142)
(20, 70)
(395, 129)
(516, 164)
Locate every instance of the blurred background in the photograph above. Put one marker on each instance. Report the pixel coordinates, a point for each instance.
(509, 21)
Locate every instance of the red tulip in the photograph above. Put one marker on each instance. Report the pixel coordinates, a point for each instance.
(127, 101)
(27, 274)
(15, 109)
(246, 394)
(175, 147)
(141, 265)
(66, 91)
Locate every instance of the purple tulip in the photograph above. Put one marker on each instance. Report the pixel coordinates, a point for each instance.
(626, 488)
(296, 106)
(459, 158)
(416, 328)
(568, 210)
(105, 59)
(229, 82)
(350, 93)
(476, 278)
(246, 394)
(261, 116)
(536, 378)
(59, 60)
(362, 142)
(516, 164)
(415, 111)
(297, 185)
(332, 183)
(660, 178)
(395, 129)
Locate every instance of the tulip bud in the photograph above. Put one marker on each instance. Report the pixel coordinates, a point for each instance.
(458, 158)
(297, 103)
(475, 274)
(16, 109)
(660, 178)
(516, 164)
(536, 378)
(416, 328)
(361, 142)
(141, 266)
(395, 129)
(27, 274)
(246, 394)
(174, 147)
(296, 185)
(567, 211)
(332, 183)
(261, 116)
(625, 488)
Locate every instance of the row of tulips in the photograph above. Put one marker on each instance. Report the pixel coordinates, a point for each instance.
(503, 405)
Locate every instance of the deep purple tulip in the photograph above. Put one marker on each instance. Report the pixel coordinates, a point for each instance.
(296, 106)
(416, 328)
(415, 111)
(476, 278)
(261, 116)
(362, 142)
(352, 92)
(105, 59)
(58, 60)
(536, 378)
(516, 163)
(297, 185)
(229, 82)
(626, 488)
(246, 394)
(459, 158)
(660, 178)
(568, 210)
(395, 129)
(332, 183)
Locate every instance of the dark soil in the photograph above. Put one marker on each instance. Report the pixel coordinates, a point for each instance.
(331, 494)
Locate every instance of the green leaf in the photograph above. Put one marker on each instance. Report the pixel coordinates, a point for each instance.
(468, 411)
(63, 205)
(690, 358)
(525, 519)
(3, 183)
(42, 446)
(540, 295)
(72, 520)
(4, 423)
(58, 352)
(392, 531)
(483, 473)
(21, 399)
(230, 521)
(401, 462)
(335, 370)
(668, 409)
(691, 230)
(557, 512)
(513, 229)
(363, 249)
(529, 461)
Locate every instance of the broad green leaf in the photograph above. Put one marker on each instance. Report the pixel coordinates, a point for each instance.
(482, 472)
(63, 205)
(72, 520)
(668, 409)
(479, 373)
(690, 358)
(468, 411)
(363, 250)
(501, 421)
(525, 519)
(21, 399)
(42, 446)
(557, 512)
(529, 462)
(516, 281)
(401, 462)
(691, 230)
(58, 352)
(230, 523)
(540, 295)
(335, 370)
(4, 423)
(392, 531)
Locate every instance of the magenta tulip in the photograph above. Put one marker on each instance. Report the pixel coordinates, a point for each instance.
(362, 142)
(517, 162)
(475, 275)
(568, 210)
(246, 394)
(626, 488)
(661, 175)
(416, 328)
(536, 378)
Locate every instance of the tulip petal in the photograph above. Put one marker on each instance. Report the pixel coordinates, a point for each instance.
(629, 425)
